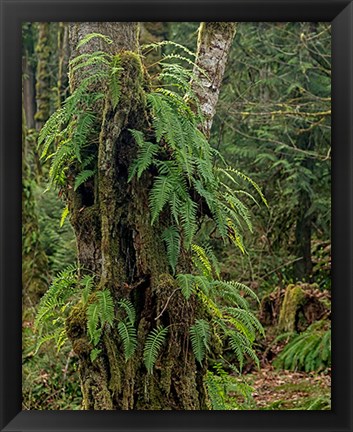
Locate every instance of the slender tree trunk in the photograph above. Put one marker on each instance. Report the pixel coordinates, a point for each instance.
(214, 42)
(42, 75)
(303, 267)
(115, 239)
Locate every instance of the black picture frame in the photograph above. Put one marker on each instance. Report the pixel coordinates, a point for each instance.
(13, 13)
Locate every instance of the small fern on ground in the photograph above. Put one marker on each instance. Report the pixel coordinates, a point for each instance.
(308, 351)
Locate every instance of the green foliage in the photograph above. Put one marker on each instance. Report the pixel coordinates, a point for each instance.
(188, 188)
(99, 313)
(72, 131)
(308, 351)
(273, 121)
(153, 346)
(200, 336)
(126, 328)
(226, 303)
(60, 291)
(220, 385)
(55, 305)
(171, 237)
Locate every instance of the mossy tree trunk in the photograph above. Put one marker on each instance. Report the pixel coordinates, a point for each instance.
(116, 241)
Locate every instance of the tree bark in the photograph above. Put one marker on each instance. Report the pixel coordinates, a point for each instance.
(214, 42)
(115, 240)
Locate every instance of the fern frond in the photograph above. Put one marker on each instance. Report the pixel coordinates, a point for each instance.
(128, 336)
(186, 283)
(229, 170)
(153, 346)
(145, 155)
(215, 392)
(90, 36)
(64, 215)
(129, 309)
(172, 239)
(82, 177)
(188, 220)
(87, 283)
(199, 336)
(159, 195)
(94, 354)
(92, 323)
(201, 260)
(106, 307)
(156, 45)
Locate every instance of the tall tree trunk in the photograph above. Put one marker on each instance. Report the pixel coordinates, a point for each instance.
(302, 248)
(116, 240)
(42, 75)
(214, 42)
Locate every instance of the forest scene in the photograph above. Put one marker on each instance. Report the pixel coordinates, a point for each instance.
(176, 216)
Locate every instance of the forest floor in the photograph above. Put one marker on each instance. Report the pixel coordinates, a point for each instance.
(285, 390)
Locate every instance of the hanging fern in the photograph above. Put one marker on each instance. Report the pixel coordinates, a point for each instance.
(153, 346)
(128, 335)
(82, 177)
(99, 313)
(187, 177)
(199, 336)
(72, 130)
(172, 239)
(94, 332)
(129, 309)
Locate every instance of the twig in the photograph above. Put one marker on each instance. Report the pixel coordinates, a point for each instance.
(166, 304)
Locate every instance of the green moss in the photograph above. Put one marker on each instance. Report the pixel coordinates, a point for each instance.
(76, 322)
(293, 299)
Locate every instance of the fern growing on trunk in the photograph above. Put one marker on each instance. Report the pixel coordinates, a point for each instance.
(188, 189)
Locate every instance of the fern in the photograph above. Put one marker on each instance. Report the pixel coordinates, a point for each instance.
(72, 129)
(199, 336)
(216, 392)
(94, 332)
(90, 36)
(64, 215)
(128, 335)
(99, 313)
(308, 351)
(129, 309)
(94, 354)
(186, 283)
(62, 288)
(172, 239)
(82, 177)
(153, 346)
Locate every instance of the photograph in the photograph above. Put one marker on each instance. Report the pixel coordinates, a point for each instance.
(176, 215)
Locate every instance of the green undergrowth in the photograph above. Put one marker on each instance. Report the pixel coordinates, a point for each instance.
(49, 379)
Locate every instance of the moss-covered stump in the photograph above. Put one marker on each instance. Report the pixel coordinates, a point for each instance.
(294, 308)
